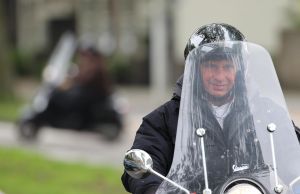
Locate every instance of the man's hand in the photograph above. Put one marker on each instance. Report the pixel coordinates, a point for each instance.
(151, 190)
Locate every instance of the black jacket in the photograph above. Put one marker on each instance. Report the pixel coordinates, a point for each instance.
(156, 136)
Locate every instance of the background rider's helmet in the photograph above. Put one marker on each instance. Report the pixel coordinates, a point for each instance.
(215, 32)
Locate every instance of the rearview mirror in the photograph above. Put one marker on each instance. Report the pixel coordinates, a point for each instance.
(138, 163)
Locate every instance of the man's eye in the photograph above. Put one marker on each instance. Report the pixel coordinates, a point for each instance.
(228, 66)
(212, 66)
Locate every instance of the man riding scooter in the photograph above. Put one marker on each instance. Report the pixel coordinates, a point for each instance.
(82, 100)
(70, 104)
(217, 95)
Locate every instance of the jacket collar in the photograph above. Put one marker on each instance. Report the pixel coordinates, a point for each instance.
(178, 88)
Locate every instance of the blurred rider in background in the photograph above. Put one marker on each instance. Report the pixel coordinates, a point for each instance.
(89, 85)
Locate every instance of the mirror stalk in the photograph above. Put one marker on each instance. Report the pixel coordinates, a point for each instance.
(168, 180)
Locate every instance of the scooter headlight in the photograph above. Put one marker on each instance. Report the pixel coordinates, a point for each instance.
(243, 188)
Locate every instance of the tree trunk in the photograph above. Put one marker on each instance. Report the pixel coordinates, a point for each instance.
(289, 63)
(5, 65)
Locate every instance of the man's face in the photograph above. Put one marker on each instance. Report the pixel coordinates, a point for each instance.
(218, 76)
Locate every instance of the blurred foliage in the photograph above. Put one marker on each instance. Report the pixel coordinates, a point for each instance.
(5, 63)
(10, 109)
(25, 172)
(293, 13)
(132, 68)
(27, 65)
(295, 19)
(120, 68)
(22, 63)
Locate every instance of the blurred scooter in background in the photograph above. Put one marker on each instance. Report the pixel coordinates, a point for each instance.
(73, 97)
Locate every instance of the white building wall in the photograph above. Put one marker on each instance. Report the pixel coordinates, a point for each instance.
(260, 21)
(32, 17)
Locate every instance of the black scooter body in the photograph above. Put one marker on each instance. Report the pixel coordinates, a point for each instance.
(100, 116)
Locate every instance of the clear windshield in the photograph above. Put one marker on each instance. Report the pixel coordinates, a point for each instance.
(232, 91)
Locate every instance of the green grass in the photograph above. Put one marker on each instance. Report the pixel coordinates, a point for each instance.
(22, 172)
(10, 109)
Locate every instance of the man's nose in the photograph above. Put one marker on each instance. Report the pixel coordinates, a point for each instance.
(219, 74)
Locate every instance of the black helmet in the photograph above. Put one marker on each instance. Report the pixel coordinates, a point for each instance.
(212, 33)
